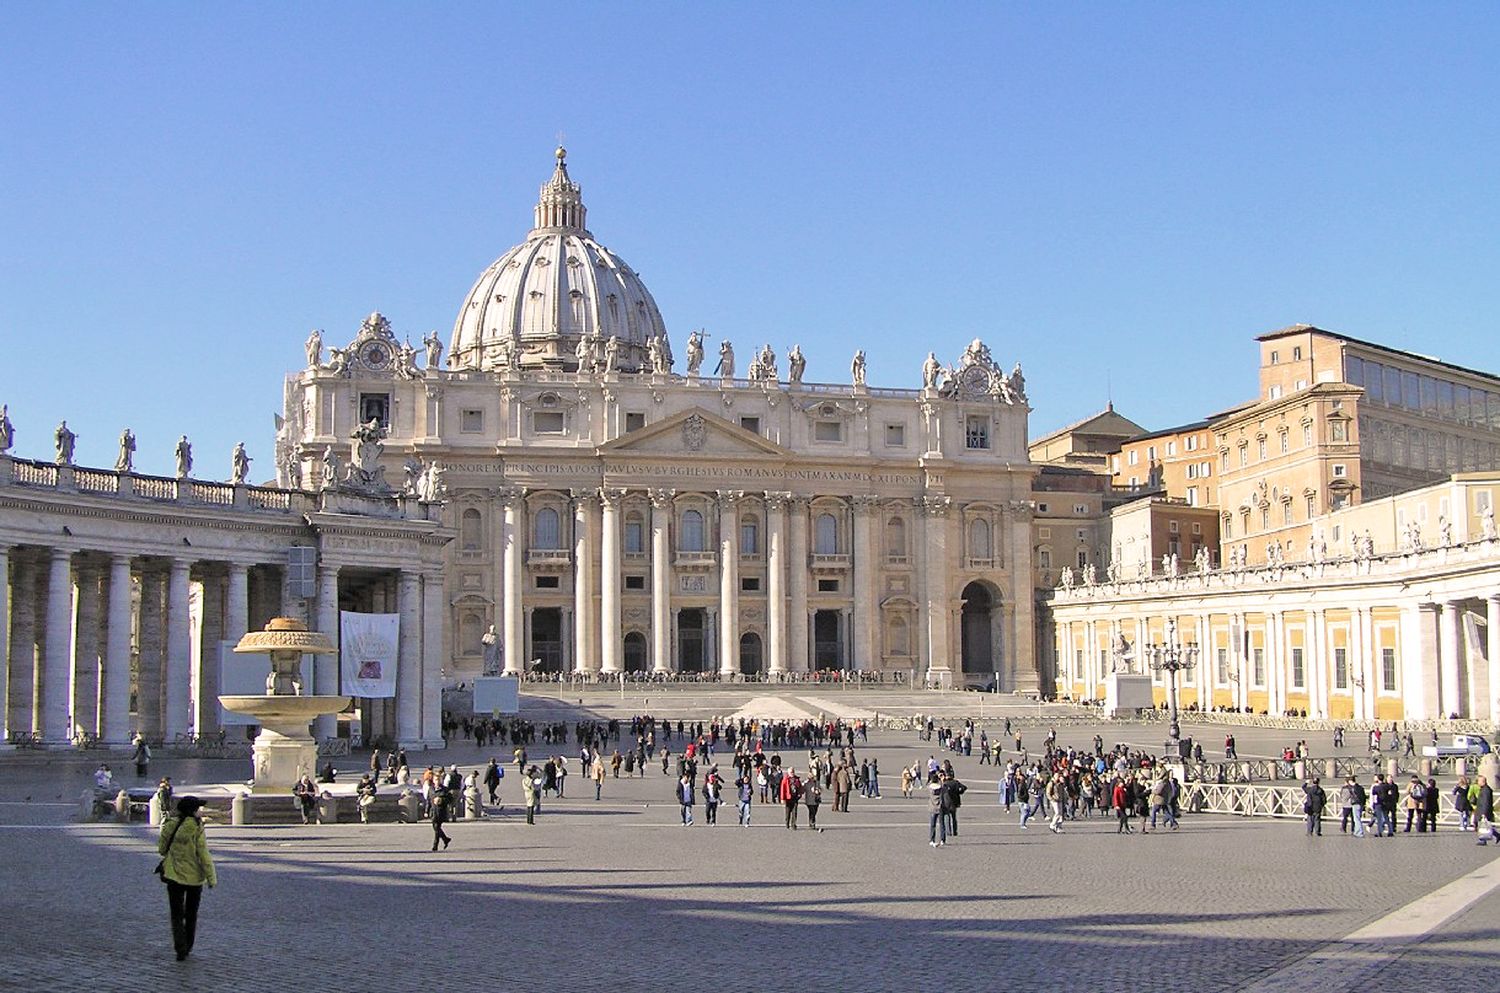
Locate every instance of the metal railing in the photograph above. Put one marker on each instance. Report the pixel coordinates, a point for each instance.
(1276, 801)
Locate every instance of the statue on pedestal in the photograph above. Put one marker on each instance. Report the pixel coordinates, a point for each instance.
(695, 351)
(584, 353)
(330, 468)
(1017, 384)
(294, 467)
(725, 368)
(857, 368)
(796, 364)
(125, 461)
(434, 349)
(314, 348)
(241, 468)
(492, 662)
(611, 354)
(1487, 523)
(930, 370)
(1445, 533)
(406, 361)
(7, 430)
(184, 457)
(368, 443)
(768, 373)
(64, 440)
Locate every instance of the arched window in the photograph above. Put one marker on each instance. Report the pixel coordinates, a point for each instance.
(749, 535)
(826, 535)
(900, 636)
(979, 540)
(635, 533)
(895, 538)
(548, 532)
(469, 530)
(692, 531)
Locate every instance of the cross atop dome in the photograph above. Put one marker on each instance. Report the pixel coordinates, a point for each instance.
(561, 201)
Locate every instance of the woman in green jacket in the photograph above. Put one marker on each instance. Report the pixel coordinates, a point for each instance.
(186, 867)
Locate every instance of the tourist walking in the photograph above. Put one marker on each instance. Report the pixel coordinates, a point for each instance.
(1314, 801)
(1484, 812)
(1352, 808)
(186, 867)
(141, 756)
(791, 795)
(1120, 800)
(597, 772)
(937, 816)
(442, 803)
(685, 793)
(1383, 799)
(744, 799)
(531, 788)
(492, 776)
(812, 797)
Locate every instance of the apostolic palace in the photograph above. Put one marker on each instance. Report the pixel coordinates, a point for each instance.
(567, 488)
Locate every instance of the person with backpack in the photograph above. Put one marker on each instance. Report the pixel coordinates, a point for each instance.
(186, 867)
(1352, 808)
(812, 796)
(791, 795)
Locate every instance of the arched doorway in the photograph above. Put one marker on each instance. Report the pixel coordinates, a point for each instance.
(980, 611)
(635, 652)
(750, 655)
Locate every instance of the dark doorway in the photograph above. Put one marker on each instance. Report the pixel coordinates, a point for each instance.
(635, 652)
(828, 648)
(690, 639)
(546, 639)
(978, 631)
(750, 655)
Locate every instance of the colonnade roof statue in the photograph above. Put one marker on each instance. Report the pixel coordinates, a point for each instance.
(536, 302)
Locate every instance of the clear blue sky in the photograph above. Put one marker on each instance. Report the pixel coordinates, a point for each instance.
(1117, 194)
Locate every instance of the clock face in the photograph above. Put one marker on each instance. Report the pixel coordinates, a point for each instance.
(375, 355)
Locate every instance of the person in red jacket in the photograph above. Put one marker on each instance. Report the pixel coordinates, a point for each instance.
(1120, 798)
(791, 793)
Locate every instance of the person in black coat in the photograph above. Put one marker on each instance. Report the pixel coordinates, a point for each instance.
(1314, 802)
(442, 802)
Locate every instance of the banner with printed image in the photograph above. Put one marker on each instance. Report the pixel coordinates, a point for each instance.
(368, 644)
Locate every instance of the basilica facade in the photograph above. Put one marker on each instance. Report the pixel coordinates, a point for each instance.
(617, 509)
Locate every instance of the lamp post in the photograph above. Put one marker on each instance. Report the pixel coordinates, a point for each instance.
(1171, 657)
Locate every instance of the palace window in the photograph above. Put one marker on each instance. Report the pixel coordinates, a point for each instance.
(1284, 440)
(1388, 670)
(749, 584)
(549, 582)
(895, 538)
(979, 540)
(692, 531)
(470, 528)
(1221, 659)
(977, 432)
(1244, 454)
(1338, 431)
(749, 536)
(828, 431)
(635, 582)
(547, 422)
(826, 535)
(548, 529)
(900, 636)
(635, 534)
(1286, 512)
(1258, 666)
(1299, 669)
(1341, 668)
(1260, 449)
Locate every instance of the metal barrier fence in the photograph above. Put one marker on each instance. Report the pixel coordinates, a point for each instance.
(1247, 800)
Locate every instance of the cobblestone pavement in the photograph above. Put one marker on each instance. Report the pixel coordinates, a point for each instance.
(615, 894)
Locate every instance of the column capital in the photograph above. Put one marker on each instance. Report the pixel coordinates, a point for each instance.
(510, 495)
(585, 499)
(777, 500)
(936, 505)
(865, 503)
(662, 499)
(729, 498)
(610, 497)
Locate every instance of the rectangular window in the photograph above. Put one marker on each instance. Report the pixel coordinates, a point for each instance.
(1197, 527)
(749, 538)
(1192, 496)
(1461, 404)
(749, 584)
(635, 582)
(1275, 356)
(1260, 449)
(1354, 370)
(977, 432)
(1297, 353)
(1223, 461)
(1041, 508)
(1258, 666)
(1244, 456)
(1340, 470)
(470, 421)
(828, 431)
(1312, 506)
(376, 407)
(1191, 444)
(1080, 508)
(828, 586)
(1411, 392)
(548, 582)
(1044, 558)
(751, 424)
(1388, 670)
(1285, 442)
(1150, 453)
(635, 537)
(1341, 668)
(1286, 512)
(547, 422)
(1338, 431)
(1083, 558)
(1133, 457)
(1173, 527)
(1374, 382)
(1221, 659)
(634, 420)
(1171, 448)
(1265, 518)
(1299, 670)
(1044, 532)
(895, 436)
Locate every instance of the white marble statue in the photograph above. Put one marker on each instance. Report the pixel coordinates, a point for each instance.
(7, 430)
(368, 444)
(754, 372)
(406, 360)
(768, 365)
(1445, 533)
(857, 368)
(491, 642)
(434, 349)
(584, 353)
(1487, 523)
(338, 361)
(1066, 580)
(1017, 384)
(725, 368)
(412, 470)
(930, 370)
(796, 364)
(184, 456)
(1089, 577)
(611, 354)
(431, 487)
(653, 354)
(695, 352)
(314, 349)
(667, 359)
(330, 468)
(125, 461)
(294, 467)
(512, 352)
(64, 440)
(241, 467)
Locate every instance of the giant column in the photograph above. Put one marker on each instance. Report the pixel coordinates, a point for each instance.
(797, 628)
(236, 624)
(178, 672)
(609, 599)
(325, 674)
(85, 691)
(58, 661)
(1492, 696)
(149, 650)
(1448, 693)
(661, 582)
(409, 662)
(1319, 677)
(934, 594)
(512, 534)
(729, 582)
(114, 723)
(434, 655)
(1419, 677)
(585, 645)
(776, 662)
(20, 716)
(1358, 688)
(5, 646)
(1022, 635)
(866, 609)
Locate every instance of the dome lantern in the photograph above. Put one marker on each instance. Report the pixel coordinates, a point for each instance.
(560, 205)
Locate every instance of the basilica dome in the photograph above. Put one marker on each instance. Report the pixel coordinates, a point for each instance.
(535, 303)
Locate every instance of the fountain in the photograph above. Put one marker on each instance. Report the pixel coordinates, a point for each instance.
(284, 749)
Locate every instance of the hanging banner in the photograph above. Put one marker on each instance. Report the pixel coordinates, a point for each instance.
(367, 653)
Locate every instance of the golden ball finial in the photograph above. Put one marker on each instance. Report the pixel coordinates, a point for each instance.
(561, 153)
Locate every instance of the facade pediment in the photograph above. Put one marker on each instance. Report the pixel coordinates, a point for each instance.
(695, 433)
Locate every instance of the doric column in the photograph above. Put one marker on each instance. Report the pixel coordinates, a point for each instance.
(866, 608)
(1448, 690)
(1019, 643)
(609, 600)
(1317, 678)
(205, 682)
(178, 673)
(729, 581)
(409, 664)
(325, 674)
(1275, 677)
(512, 535)
(1360, 686)
(114, 723)
(5, 646)
(661, 581)
(797, 629)
(1419, 669)
(434, 657)
(85, 693)
(57, 665)
(776, 655)
(585, 645)
(934, 593)
(1492, 695)
(149, 651)
(20, 716)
